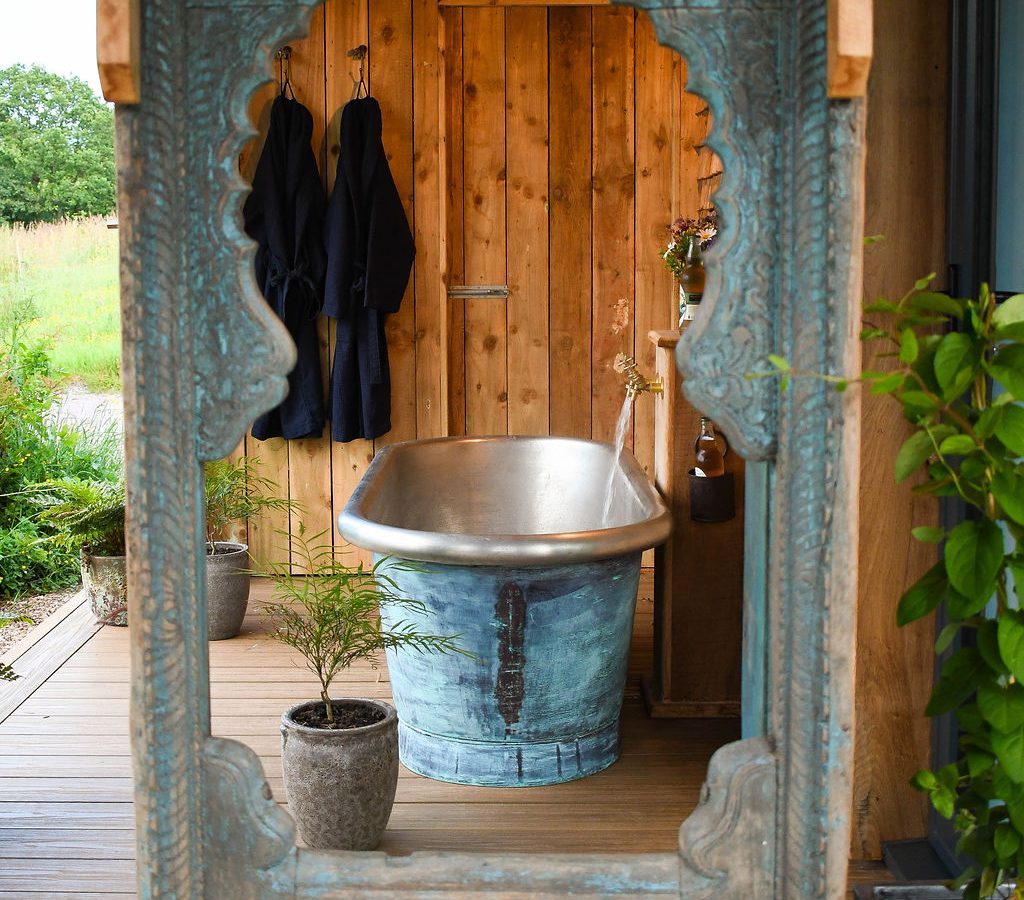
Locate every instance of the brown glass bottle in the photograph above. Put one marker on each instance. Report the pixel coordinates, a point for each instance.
(710, 461)
(691, 278)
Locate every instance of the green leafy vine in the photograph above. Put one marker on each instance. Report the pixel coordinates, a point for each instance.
(960, 381)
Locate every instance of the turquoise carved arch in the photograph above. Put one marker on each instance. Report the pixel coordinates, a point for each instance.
(202, 357)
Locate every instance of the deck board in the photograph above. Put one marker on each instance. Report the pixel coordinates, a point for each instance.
(66, 816)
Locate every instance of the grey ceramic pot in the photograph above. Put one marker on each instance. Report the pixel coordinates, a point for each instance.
(341, 784)
(106, 585)
(227, 589)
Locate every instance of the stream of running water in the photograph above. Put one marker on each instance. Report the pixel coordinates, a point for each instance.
(620, 441)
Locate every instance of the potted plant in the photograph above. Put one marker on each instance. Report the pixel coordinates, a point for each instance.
(233, 492)
(962, 388)
(89, 517)
(340, 755)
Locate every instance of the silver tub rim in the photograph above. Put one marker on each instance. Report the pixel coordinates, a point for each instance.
(358, 527)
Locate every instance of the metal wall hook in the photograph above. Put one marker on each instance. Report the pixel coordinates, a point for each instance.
(360, 54)
(284, 69)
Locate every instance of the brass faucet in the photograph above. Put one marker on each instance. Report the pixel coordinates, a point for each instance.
(635, 382)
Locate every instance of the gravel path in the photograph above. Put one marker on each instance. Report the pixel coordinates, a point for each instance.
(36, 608)
(102, 410)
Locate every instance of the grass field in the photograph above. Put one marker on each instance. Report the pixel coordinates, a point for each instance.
(69, 272)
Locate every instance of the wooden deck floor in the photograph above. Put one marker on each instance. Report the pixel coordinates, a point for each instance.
(66, 825)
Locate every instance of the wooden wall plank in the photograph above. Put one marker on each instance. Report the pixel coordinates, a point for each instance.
(570, 53)
(484, 204)
(654, 287)
(346, 26)
(309, 471)
(431, 381)
(391, 83)
(527, 252)
(269, 532)
(693, 132)
(905, 201)
(455, 224)
(270, 457)
(613, 216)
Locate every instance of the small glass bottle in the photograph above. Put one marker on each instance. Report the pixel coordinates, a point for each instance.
(691, 279)
(710, 462)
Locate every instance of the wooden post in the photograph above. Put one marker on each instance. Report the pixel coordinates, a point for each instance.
(117, 49)
(698, 572)
(849, 47)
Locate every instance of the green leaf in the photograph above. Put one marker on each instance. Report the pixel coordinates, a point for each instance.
(915, 450)
(1009, 748)
(924, 780)
(945, 637)
(870, 239)
(978, 762)
(944, 801)
(1009, 312)
(1006, 841)
(940, 303)
(881, 305)
(973, 468)
(960, 606)
(1011, 641)
(1014, 332)
(987, 885)
(887, 384)
(908, 345)
(957, 445)
(988, 646)
(974, 552)
(918, 403)
(1002, 707)
(922, 596)
(1008, 488)
(922, 283)
(989, 421)
(929, 534)
(1007, 367)
(871, 334)
(956, 360)
(780, 363)
(1009, 426)
(959, 679)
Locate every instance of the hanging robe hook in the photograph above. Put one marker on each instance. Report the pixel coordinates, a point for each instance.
(360, 53)
(284, 69)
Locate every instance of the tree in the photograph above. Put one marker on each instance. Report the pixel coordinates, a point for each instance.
(56, 148)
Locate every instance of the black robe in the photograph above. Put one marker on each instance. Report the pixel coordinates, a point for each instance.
(284, 214)
(370, 250)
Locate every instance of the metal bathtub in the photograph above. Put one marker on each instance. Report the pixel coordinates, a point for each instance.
(518, 558)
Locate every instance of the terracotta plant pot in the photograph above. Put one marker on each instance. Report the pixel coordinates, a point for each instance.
(106, 585)
(227, 589)
(341, 783)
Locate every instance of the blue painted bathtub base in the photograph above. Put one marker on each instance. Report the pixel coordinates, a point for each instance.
(509, 763)
(539, 698)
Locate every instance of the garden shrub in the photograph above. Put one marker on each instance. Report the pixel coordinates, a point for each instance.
(36, 446)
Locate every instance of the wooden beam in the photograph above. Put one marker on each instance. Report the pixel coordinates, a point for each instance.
(117, 49)
(849, 47)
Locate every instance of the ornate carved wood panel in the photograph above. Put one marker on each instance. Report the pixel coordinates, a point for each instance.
(203, 357)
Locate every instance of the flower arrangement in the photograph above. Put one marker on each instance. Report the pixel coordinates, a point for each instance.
(682, 232)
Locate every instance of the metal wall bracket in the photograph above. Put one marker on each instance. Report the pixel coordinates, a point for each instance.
(478, 292)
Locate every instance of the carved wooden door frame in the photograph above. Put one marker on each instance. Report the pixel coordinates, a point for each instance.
(203, 356)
